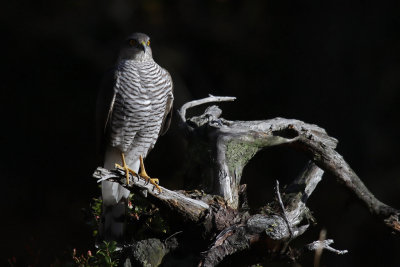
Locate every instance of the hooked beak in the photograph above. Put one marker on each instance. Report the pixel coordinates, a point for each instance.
(143, 46)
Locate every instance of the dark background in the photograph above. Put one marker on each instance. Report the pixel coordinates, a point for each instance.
(335, 64)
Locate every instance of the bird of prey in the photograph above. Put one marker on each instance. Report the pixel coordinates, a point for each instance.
(134, 109)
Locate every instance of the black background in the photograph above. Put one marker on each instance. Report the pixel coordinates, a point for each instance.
(335, 64)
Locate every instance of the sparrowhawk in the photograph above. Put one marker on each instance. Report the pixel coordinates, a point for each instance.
(135, 105)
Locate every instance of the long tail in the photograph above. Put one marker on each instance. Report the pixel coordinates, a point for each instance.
(115, 202)
(113, 223)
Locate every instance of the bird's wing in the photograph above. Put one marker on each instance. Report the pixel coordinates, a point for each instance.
(168, 108)
(104, 109)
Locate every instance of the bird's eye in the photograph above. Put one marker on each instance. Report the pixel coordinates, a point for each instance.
(132, 42)
(148, 43)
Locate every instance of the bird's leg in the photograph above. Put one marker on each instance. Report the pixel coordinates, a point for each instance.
(153, 181)
(125, 168)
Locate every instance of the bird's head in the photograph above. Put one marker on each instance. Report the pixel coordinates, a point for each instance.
(136, 46)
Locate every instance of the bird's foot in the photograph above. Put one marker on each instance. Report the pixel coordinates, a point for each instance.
(145, 176)
(153, 181)
(126, 168)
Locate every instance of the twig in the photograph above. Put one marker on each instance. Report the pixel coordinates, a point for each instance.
(209, 99)
(174, 234)
(278, 194)
(325, 244)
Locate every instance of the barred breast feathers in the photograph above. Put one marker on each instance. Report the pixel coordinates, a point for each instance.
(142, 91)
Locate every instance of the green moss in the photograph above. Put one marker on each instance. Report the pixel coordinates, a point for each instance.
(238, 153)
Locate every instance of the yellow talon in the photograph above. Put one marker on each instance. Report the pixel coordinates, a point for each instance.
(125, 168)
(144, 175)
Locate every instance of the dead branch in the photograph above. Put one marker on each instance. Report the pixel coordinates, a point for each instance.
(190, 208)
(194, 103)
(325, 244)
(221, 149)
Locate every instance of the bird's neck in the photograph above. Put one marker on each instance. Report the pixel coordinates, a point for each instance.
(138, 57)
(128, 63)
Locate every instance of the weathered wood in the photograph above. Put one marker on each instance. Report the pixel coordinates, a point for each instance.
(191, 209)
(209, 99)
(325, 244)
(235, 142)
(220, 150)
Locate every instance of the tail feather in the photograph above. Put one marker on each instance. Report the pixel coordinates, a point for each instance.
(115, 201)
(114, 222)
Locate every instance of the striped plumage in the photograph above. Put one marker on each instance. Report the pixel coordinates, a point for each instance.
(142, 92)
(140, 109)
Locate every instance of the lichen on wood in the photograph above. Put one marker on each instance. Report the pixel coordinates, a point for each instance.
(238, 153)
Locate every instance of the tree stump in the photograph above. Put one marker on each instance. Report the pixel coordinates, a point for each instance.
(214, 213)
